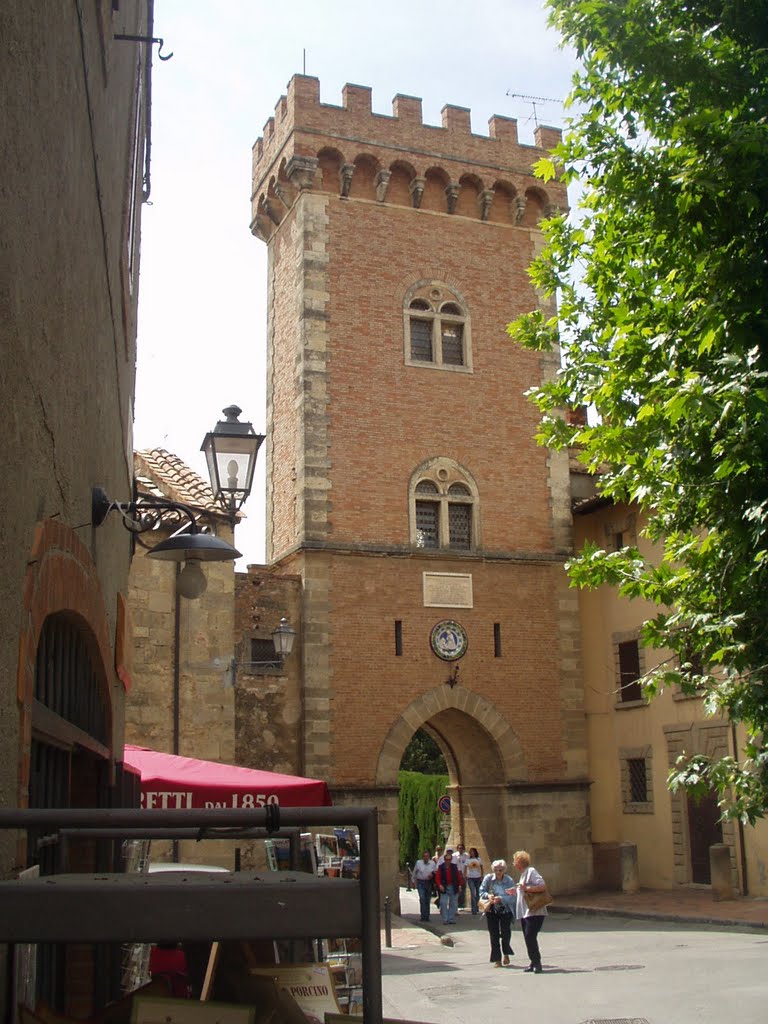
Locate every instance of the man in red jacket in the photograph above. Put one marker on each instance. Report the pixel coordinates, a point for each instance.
(448, 880)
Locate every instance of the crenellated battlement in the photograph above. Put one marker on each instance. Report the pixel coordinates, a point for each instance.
(309, 144)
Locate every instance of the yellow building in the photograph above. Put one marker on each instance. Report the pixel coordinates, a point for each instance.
(633, 743)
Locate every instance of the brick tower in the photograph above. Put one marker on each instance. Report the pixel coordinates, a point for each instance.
(405, 489)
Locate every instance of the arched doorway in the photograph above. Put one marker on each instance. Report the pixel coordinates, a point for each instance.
(69, 767)
(483, 756)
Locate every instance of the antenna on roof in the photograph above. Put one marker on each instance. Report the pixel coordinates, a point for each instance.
(304, 61)
(533, 100)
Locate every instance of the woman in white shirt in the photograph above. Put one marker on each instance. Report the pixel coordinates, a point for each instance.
(474, 876)
(530, 921)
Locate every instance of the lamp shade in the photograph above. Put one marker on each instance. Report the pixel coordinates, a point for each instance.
(230, 451)
(282, 637)
(202, 546)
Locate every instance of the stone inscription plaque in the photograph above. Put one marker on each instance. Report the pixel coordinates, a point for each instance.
(447, 590)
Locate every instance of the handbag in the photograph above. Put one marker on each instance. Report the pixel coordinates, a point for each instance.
(538, 900)
(484, 904)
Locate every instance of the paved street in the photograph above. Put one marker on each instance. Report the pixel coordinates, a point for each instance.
(614, 970)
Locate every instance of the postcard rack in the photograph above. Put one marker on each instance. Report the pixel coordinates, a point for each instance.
(105, 907)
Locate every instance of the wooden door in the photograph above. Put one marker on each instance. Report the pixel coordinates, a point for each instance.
(704, 830)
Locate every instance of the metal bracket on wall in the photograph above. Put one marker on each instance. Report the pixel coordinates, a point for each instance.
(147, 39)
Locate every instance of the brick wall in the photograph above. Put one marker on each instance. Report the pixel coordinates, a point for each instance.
(358, 209)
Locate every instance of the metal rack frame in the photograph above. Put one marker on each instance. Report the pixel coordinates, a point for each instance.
(245, 905)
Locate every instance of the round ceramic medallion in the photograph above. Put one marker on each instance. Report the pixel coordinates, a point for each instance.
(448, 640)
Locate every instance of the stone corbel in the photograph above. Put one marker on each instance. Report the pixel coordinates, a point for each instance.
(520, 203)
(382, 184)
(271, 212)
(261, 227)
(416, 188)
(284, 194)
(301, 171)
(486, 198)
(452, 196)
(345, 179)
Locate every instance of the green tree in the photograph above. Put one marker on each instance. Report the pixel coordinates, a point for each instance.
(423, 755)
(418, 816)
(662, 284)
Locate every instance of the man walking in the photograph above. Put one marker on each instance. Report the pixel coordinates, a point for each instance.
(422, 874)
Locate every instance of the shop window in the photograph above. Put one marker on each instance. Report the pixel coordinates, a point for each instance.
(436, 329)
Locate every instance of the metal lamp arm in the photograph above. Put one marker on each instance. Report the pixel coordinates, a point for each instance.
(130, 511)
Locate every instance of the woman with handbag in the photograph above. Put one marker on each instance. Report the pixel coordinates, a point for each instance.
(532, 899)
(497, 904)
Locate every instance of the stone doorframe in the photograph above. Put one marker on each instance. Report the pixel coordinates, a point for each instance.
(431, 704)
(711, 739)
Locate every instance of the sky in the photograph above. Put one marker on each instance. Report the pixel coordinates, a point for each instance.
(203, 283)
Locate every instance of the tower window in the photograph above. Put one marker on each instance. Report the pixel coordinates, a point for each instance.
(436, 330)
(443, 508)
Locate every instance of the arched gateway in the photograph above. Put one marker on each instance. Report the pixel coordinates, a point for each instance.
(422, 530)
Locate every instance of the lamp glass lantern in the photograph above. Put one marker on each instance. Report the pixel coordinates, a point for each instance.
(283, 636)
(230, 451)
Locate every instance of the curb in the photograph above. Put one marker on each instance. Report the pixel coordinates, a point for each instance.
(658, 915)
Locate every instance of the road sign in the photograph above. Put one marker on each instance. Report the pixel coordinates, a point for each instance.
(444, 805)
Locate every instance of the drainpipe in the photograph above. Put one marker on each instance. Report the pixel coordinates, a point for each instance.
(742, 850)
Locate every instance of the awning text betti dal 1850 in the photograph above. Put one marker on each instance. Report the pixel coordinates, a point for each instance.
(170, 781)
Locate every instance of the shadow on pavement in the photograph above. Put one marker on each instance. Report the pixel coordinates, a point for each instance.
(391, 963)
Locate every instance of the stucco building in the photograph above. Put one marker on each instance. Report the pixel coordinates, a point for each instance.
(75, 171)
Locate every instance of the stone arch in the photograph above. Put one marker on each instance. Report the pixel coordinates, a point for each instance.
(435, 183)
(536, 206)
(468, 203)
(363, 184)
(503, 208)
(399, 189)
(483, 755)
(330, 161)
(433, 283)
(61, 578)
(446, 711)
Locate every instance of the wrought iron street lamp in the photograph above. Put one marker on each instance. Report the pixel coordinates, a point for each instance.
(230, 450)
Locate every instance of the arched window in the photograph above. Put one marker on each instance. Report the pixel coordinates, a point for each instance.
(443, 503)
(436, 329)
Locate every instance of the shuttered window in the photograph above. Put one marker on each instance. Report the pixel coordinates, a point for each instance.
(437, 331)
(421, 340)
(427, 519)
(629, 671)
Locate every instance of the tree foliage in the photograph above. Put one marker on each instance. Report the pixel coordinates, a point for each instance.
(662, 283)
(418, 816)
(423, 755)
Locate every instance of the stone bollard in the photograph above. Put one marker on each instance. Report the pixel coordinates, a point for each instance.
(720, 870)
(629, 871)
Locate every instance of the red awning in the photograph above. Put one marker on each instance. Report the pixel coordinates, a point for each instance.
(169, 781)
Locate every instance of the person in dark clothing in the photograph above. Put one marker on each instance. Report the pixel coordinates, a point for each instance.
(448, 880)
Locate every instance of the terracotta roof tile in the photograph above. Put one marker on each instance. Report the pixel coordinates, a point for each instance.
(165, 475)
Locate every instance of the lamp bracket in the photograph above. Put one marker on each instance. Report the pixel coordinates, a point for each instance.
(145, 513)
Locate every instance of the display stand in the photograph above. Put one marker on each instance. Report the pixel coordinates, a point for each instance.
(92, 908)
